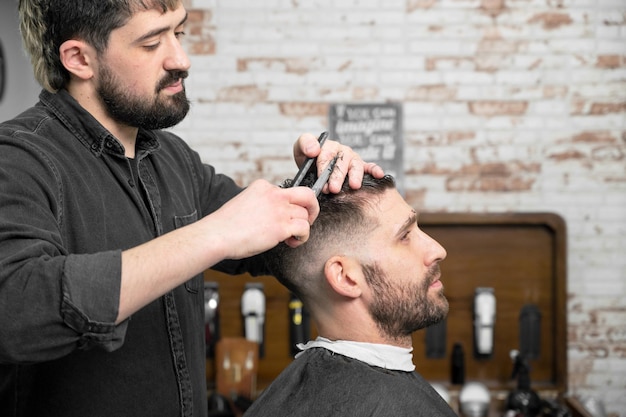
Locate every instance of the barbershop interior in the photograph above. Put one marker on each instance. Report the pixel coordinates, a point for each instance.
(503, 123)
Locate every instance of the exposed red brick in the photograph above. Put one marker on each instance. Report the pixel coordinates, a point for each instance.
(567, 155)
(195, 16)
(605, 108)
(551, 20)
(204, 47)
(535, 64)
(412, 5)
(365, 93)
(496, 45)
(494, 177)
(579, 368)
(488, 184)
(193, 30)
(424, 138)
(345, 65)
(492, 7)
(555, 91)
(427, 168)
(594, 137)
(244, 93)
(289, 65)
(460, 136)
(620, 351)
(438, 92)
(592, 351)
(199, 39)
(415, 198)
(303, 109)
(297, 65)
(610, 61)
(432, 63)
(578, 107)
(498, 108)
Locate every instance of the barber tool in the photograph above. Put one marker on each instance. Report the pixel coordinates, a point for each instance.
(484, 321)
(530, 331)
(299, 324)
(522, 400)
(474, 399)
(323, 179)
(253, 311)
(324, 176)
(211, 316)
(436, 340)
(304, 169)
(457, 368)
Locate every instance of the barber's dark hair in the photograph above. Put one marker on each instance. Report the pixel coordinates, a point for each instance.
(342, 218)
(46, 24)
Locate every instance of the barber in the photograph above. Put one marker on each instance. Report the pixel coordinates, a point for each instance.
(107, 221)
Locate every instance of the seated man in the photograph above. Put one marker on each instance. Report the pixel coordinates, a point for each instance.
(369, 277)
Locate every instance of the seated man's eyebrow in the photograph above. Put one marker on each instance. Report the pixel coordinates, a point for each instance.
(158, 31)
(410, 222)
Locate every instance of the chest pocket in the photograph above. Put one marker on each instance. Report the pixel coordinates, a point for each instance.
(196, 283)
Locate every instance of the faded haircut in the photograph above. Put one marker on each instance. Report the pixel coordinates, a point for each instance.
(46, 24)
(342, 222)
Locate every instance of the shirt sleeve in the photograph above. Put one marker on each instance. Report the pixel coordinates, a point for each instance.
(93, 318)
(51, 302)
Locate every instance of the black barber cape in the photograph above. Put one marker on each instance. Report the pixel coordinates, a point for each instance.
(321, 383)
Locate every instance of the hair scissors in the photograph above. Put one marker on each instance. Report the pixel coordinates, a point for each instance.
(323, 178)
(308, 163)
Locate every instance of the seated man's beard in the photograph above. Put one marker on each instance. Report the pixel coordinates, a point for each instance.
(158, 113)
(400, 311)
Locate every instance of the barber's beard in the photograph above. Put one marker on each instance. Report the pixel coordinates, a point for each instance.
(159, 112)
(401, 310)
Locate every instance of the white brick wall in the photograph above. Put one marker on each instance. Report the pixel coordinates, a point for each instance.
(538, 86)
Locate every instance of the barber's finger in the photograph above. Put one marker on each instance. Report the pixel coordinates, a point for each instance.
(300, 229)
(304, 197)
(348, 164)
(306, 146)
(374, 170)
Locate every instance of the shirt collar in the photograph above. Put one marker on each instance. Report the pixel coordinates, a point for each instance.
(87, 129)
(383, 356)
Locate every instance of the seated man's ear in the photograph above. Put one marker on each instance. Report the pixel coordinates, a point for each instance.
(345, 276)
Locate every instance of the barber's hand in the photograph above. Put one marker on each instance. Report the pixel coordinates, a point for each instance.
(263, 215)
(349, 163)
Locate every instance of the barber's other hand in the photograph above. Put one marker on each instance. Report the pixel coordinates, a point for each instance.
(349, 163)
(263, 215)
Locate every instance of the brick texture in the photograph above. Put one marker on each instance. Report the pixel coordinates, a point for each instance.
(509, 105)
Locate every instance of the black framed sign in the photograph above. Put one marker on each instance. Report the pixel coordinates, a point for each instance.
(1, 71)
(374, 130)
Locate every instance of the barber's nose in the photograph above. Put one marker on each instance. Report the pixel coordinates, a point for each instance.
(178, 59)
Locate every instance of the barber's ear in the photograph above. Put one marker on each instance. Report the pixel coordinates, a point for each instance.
(77, 57)
(344, 275)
